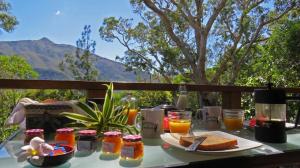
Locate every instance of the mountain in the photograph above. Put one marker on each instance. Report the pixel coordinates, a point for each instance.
(45, 55)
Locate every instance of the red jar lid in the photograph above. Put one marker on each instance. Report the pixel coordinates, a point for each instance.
(32, 132)
(132, 138)
(87, 133)
(64, 130)
(112, 133)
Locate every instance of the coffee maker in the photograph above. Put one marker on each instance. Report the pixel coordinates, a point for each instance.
(270, 113)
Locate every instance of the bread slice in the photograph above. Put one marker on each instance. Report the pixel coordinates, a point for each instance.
(211, 143)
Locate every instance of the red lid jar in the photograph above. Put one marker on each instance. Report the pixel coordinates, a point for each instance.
(31, 133)
(87, 140)
(65, 136)
(132, 148)
(112, 142)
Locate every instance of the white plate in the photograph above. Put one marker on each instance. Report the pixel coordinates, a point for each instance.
(243, 144)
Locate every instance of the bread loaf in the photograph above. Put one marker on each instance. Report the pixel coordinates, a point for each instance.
(211, 143)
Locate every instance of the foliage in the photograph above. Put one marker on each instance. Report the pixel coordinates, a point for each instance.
(276, 61)
(109, 118)
(81, 65)
(7, 21)
(55, 94)
(16, 67)
(188, 37)
(12, 67)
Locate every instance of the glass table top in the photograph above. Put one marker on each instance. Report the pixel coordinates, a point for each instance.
(156, 153)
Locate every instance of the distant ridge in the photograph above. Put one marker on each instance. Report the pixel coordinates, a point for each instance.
(45, 55)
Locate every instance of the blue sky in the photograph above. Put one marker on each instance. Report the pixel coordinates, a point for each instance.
(62, 21)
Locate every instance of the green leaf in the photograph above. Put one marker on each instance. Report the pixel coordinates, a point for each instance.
(78, 117)
(116, 125)
(75, 125)
(96, 109)
(90, 112)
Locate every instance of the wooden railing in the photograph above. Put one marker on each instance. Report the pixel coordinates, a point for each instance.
(231, 95)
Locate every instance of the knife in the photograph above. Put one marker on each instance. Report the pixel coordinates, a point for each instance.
(193, 146)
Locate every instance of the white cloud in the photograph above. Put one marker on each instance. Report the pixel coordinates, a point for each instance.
(57, 12)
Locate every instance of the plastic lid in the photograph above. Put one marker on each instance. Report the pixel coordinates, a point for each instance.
(132, 138)
(87, 133)
(34, 131)
(112, 133)
(270, 96)
(65, 130)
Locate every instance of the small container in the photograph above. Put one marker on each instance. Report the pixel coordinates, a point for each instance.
(166, 108)
(65, 136)
(111, 143)
(31, 133)
(87, 140)
(132, 148)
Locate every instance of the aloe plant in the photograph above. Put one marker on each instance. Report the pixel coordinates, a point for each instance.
(110, 118)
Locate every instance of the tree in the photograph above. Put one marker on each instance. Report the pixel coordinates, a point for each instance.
(201, 40)
(278, 59)
(12, 67)
(16, 67)
(7, 21)
(81, 65)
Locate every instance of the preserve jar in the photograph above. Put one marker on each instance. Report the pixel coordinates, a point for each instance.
(87, 140)
(31, 133)
(65, 136)
(132, 148)
(111, 143)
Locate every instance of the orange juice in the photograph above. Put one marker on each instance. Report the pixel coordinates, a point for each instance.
(179, 126)
(131, 113)
(233, 123)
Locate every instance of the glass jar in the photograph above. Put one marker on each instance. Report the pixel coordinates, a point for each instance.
(131, 111)
(87, 140)
(111, 143)
(65, 136)
(31, 133)
(132, 148)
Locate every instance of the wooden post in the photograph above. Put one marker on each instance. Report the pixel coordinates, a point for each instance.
(95, 93)
(231, 100)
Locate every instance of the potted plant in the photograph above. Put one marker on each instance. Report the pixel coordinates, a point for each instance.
(110, 118)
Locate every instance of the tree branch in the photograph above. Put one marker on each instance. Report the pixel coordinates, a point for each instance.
(214, 15)
(169, 29)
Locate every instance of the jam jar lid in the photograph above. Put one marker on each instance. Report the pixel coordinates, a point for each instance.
(65, 130)
(132, 138)
(87, 133)
(34, 131)
(112, 133)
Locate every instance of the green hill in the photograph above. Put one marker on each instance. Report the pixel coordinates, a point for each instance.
(44, 56)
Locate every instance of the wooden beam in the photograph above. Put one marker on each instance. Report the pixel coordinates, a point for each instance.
(87, 85)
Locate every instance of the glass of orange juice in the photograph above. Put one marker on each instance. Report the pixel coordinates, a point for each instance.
(179, 121)
(233, 119)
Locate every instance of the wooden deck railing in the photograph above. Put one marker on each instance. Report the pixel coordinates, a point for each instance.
(231, 95)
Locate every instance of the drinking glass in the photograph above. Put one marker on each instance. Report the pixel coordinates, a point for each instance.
(180, 121)
(210, 117)
(233, 119)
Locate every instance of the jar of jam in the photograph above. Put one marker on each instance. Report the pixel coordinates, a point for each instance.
(31, 133)
(65, 136)
(87, 140)
(112, 142)
(132, 148)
